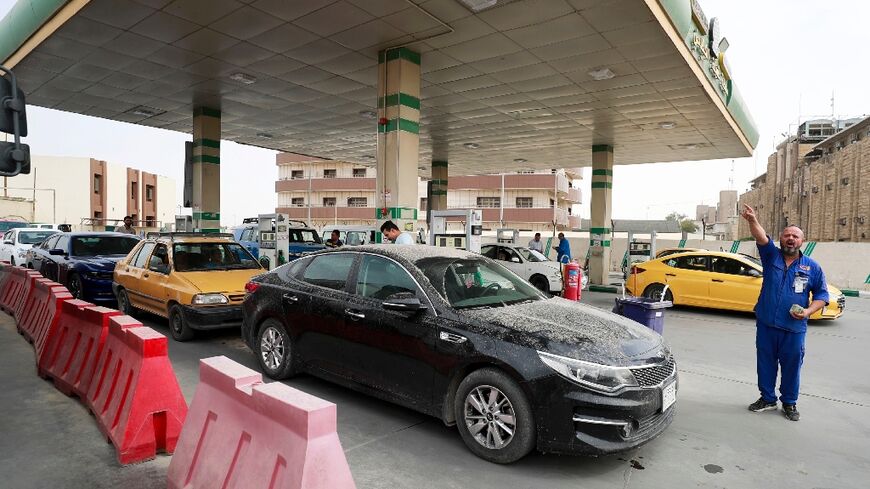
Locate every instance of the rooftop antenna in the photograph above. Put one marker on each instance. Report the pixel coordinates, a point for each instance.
(731, 177)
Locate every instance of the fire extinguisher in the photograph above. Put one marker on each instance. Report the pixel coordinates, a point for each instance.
(571, 280)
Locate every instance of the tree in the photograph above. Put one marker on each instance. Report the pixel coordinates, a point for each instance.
(687, 225)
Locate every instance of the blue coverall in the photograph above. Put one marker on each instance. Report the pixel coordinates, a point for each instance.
(563, 250)
(779, 337)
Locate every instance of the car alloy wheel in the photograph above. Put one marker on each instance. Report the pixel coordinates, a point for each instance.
(124, 302)
(75, 286)
(272, 348)
(654, 292)
(490, 417)
(178, 325)
(275, 354)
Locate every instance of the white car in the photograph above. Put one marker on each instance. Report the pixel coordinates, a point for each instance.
(17, 241)
(540, 271)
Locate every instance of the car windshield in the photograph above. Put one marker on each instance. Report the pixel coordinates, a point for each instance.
(473, 282)
(102, 245)
(751, 259)
(304, 236)
(533, 256)
(188, 257)
(33, 237)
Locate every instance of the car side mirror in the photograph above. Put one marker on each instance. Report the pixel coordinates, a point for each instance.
(56, 252)
(754, 273)
(516, 259)
(404, 301)
(8, 242)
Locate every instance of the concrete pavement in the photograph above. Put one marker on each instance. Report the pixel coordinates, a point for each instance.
(49, 440)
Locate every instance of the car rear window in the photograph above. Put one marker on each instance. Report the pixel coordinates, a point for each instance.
(330, 270)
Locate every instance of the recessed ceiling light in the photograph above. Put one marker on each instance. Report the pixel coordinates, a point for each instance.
(520, 160)
(243, 78)
(368, 157)
(471, 145)
(145, 111)
(667, 125)
(602, 73)
(368, 114)
(264, 135)
(478, 5)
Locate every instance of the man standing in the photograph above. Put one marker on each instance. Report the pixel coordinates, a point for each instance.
(392, 233)
(781, 313)
(334, 240)
(563, 251)
(127, 228)
(536, 244)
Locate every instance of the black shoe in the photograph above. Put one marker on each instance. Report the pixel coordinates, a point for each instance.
(762, 405)
(790, 411)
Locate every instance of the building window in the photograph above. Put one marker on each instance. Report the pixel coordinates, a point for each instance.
(297, 202)
(149, 193)
(489, 202)
(329, 173)
(98, 215)
(98, 183)
(297, 175)
(357, 202)
(133, 188)
(149, 222)
(524, 202)
(359, 172)
(424, 204)
(329, 202)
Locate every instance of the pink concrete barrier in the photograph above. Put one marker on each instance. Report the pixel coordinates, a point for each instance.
(15, 288)
(241, 432)
(40, 306)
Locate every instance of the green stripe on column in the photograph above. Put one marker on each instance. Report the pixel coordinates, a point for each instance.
(600, 148)
(735, 246)
(625, 259)
(207, 159)
(599, 231)
(682, 243)
(401, 125)
(605, 244)
(440, 164)
(399, 99)
(206, 112)
(811, 246)
(439, 192)
(602, 184)
(868, 280)
(207, 143)
(602, 172)
(210, 230)
(396, 213)
(399, 53)
(207, 216)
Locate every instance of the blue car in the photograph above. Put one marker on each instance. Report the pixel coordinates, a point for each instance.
(83, 262)
(302, 238)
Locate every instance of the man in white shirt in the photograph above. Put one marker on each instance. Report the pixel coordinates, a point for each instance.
(536, 244)
(392, 233)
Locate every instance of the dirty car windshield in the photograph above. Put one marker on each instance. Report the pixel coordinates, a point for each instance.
(532, 255)
(33, 237)
(102, 245)
(189, 257)
(467, 283)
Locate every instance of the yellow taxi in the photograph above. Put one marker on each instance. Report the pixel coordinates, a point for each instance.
(196, 280)
(713, 279)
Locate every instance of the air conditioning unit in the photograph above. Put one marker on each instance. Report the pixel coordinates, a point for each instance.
(804, 193)
(859, 219)
(829, 186)
(844, 180)
(842, 221)
(815, 190)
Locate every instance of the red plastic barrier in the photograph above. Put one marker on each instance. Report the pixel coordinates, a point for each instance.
(30, 281)
(73, 359)
(47, 339)
(241, 432)
(134, 393)
(5, 270)
(39, 307)
(15, 287)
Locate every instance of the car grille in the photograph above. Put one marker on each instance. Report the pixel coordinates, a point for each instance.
(102, 275)
(237, 297)
(653, 376)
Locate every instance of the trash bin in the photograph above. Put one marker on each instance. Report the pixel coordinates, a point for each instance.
(648, 312)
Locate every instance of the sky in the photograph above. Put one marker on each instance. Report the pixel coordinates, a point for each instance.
(788, 58)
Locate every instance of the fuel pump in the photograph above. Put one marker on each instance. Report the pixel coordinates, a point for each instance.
(638, 250)
(267, 238)
(467, 239)
(507, 236)
(282, 237)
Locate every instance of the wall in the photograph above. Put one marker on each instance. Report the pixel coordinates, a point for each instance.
(166, 205)
(116, 191)
(68, 176)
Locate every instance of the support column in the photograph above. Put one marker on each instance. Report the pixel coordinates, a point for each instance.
(600, 233)
(439, 186)
(398, 136)
(206, 198)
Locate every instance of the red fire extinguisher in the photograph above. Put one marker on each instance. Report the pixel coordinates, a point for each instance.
(571, 279)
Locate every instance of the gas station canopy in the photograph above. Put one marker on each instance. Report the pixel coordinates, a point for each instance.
(505, 84)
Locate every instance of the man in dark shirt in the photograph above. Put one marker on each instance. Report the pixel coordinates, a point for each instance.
(781, 313)
(334, 241)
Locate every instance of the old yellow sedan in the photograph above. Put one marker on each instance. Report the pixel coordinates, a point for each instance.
(711, 279)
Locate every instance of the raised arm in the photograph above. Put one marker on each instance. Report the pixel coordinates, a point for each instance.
(754, 227)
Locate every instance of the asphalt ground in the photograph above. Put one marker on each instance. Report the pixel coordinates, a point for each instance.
(48, 440)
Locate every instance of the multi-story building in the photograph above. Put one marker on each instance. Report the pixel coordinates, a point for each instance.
(719, 221)
(327, 192)
(90, 194)
(817, 181)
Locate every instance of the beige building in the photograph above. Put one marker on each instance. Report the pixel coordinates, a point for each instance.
(720, 221)
(326, 192)
(818, 182)
(90, 194)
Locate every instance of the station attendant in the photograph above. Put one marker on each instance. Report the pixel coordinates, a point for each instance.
(392, 232)
(127, 228)
(536, 243)
(563, 251)
(334, 240)
(781, 314)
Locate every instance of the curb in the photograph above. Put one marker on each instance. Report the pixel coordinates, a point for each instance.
(603, 288)
(863, 294)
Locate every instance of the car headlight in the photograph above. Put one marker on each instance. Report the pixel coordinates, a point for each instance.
(209, 299)
(592, 375)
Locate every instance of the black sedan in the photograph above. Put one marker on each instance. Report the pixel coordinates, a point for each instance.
(457, 336)
(83, 262)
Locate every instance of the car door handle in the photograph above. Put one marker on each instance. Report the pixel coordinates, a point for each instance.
(356, 316)
(670, 275)
(145, 275)
(290, 298)
(452, 338)
(717, 280)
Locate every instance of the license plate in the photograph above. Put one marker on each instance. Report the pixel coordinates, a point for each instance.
(669, 395)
